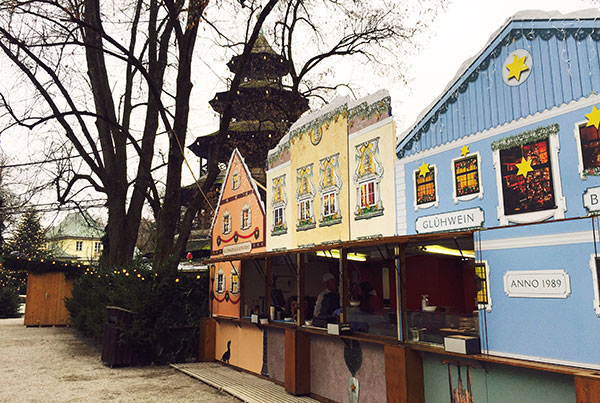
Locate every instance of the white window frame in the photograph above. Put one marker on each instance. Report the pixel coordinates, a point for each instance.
(427, 205)
(307, 210)
(234, 286)
(375, 192)
(594, 271)
(79, 246)
(580, 167)
(97, 247)
(332, 209)
(488, 306)
(471, 196)
(220, 287)
(226, 223)
(249, 224)
(534, 216)
(234, 176)
(275, 210)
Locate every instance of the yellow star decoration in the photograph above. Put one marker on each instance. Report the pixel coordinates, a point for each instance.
(517, 67)
(423, 169)
(593, 117)
(464, 151)
(524, 167)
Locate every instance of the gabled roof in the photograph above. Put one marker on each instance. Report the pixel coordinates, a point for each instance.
(76, 225)
(525, 25)
(226, 180)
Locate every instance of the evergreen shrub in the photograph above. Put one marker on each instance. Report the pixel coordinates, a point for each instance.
(167, 310)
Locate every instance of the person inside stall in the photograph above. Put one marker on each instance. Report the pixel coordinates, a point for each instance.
(369, 301)
(328, 302)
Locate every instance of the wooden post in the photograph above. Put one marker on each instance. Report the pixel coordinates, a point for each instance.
(300, 275)
(403, 375)
(344, 284)
(401, 261)
(268, 283)
(297, 362)
(587, 389)
(207, 330)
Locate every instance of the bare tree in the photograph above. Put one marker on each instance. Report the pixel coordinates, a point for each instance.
(96, 88)
(112, 78)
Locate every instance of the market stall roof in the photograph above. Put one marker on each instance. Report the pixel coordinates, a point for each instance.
(369, 241)
(522, 24)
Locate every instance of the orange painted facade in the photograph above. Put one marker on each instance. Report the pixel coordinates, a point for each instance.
(238, 227)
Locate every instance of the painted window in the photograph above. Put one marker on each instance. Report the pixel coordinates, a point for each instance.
(226, 223)
(220, 282)
(466, 176)
(330, 185)
(305, 194)
(482, 272)
(589, 147)
(425, 186)
(235, 181)
(246, 217)
(79, 246)
(305, 210)
(279, 203)
(329, 204)
(527, 184)
(235, 282)
(97, 247)
(367, 178)
(595, 268)
(528, 176)
(278, 216)
(367, 194)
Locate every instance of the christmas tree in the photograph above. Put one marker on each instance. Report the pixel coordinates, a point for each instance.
(28, 240)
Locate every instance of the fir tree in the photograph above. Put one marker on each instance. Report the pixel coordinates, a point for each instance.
(29, 240)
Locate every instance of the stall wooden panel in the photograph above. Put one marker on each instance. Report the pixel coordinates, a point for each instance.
(207, 330)
(587, 389)
(45, 302)
(297, 362)
(403, 375)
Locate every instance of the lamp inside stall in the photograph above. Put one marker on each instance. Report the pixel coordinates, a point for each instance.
(335, 253)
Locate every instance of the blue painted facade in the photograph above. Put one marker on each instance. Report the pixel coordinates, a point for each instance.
(566, 57)
(481, 112)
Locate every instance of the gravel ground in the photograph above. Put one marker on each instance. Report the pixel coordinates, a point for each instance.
(54, 364)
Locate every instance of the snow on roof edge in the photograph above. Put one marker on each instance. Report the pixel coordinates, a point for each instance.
(524, 15)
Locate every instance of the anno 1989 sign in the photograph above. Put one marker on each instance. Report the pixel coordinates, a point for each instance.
(537, 284)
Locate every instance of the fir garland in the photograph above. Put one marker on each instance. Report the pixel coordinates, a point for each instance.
(316, 124)
(526, 137)
(595, 171)
(365, 111)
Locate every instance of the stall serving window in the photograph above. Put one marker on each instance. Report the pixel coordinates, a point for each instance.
(253, 287)
(284, 289)
(322, 302)
(442, 290)
(372, 301)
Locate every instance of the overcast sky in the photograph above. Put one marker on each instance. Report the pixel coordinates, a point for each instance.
(457, 34)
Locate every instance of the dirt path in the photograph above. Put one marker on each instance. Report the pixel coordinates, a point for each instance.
(55, 365)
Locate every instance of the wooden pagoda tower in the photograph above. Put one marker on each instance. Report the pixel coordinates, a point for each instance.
(263, 109)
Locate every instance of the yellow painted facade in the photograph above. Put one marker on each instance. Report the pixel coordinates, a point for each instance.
(305, 153)
(338, 165)
(86, 250)
(279, 180)
(381, 137)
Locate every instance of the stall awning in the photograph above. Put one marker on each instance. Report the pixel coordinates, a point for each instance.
(371, 241)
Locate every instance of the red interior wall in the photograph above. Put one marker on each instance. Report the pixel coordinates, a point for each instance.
(448, 282)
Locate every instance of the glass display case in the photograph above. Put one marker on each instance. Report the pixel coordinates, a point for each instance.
(432, 327)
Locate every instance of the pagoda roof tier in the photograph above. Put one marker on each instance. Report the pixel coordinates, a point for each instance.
(253, 145)
(261, 65)
(260, 103)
